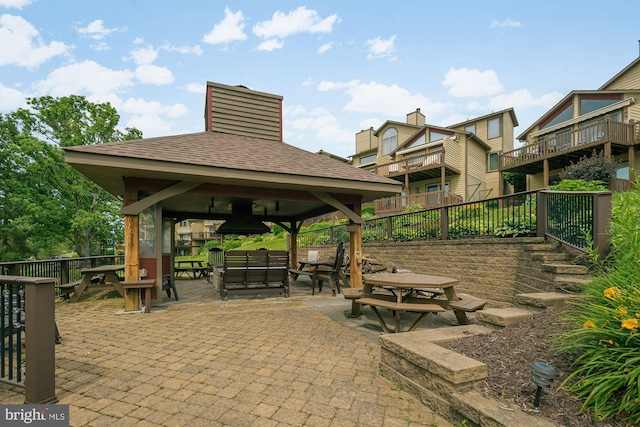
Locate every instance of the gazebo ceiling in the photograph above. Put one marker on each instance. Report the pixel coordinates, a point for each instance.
(203, 175)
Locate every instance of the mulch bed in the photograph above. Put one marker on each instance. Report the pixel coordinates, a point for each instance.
(508, 354)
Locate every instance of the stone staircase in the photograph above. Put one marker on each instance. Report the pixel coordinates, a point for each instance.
(547, 278)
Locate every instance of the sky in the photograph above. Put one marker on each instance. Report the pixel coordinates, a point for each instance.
(341, 66)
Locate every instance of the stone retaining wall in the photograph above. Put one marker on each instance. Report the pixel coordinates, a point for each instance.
(492, 269)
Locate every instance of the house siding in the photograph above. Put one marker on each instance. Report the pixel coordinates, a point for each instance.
(629, 80)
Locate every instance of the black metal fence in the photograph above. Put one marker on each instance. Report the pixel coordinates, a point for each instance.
(12, 309)
(575, 218)
(64, 269)
(28, 334)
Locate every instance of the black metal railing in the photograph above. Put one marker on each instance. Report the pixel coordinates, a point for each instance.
(65, 270)
(565, 216)
(11, 327)
(28, 331)
(578, 219)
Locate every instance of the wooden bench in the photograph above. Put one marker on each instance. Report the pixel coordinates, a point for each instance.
(145, 284)
(398, 308)
(255, 272)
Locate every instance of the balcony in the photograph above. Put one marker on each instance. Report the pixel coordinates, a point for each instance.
(395, 205)
(183, 243)
(418, 166)
(563, 147)
(205, 235)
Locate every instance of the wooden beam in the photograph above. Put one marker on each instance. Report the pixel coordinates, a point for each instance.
(139, 205)
(330, 200)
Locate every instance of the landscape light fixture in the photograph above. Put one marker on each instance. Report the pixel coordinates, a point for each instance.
(543, 376)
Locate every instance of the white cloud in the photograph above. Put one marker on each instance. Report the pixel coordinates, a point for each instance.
(152, 117)
(85, 78)
(195, 50)
(22, 45)
(140, 106)
(321, 125)
(324, 48)
(153, 74)
(505, 23)
(102, 46)
(389, 100)
(301, 20)
(96, 30)
(144, 55)
(465, 83)
(523, 99)
(230, 29)
(271, 44)
(18, 4)
(370, 123)
(325, 86)
(381, 48)
(10, 99)
(308, 82)
(196, 88)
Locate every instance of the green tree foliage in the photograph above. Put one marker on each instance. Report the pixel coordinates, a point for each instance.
(517, 180)
(598, 167)
(46, 206)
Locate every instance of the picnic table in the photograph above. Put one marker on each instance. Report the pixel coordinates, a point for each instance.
(97, 279)
(413, 293)
(191, 268)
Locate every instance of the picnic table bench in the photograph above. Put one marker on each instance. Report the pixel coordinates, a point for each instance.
(191, 268)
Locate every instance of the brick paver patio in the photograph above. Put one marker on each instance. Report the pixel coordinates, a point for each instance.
(202, 362)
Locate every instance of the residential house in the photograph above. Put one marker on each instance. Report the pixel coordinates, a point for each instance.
(192, 234)
(437, 165)
(603, 120)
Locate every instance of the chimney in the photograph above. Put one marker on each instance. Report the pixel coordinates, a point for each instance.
(416, 118)
(242, 111)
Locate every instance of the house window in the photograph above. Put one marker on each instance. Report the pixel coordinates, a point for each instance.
(367, 159)
(437, 136)
(389, 141)
(562, 116)
(494, 128)
(470, 128)
(431, 188)
(492, 162)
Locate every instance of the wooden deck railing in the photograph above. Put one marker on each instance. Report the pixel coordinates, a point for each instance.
(413, 163)
(583, 136)
(397, 204)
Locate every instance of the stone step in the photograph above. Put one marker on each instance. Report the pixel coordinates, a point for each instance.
(549, 256)
(572, 269)
(544, 299)
(571, 283)
(503, 316)
(541, 247)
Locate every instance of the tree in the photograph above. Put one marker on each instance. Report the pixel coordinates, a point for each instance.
(46, 204)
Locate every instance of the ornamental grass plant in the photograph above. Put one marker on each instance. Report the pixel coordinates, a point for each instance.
(605, 333)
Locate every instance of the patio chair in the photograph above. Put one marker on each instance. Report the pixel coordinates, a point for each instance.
(330, 274)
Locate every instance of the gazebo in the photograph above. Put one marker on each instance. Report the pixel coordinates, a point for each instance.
(238, 168)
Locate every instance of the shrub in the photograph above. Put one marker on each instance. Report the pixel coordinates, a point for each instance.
(579, 185)
(598, 167)
(516, 227)
(605, 333)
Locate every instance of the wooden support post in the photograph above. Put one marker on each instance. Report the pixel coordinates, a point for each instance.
(632, 163)
(545, 173)
(131, 252)
(355, 255)
(40, 335)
